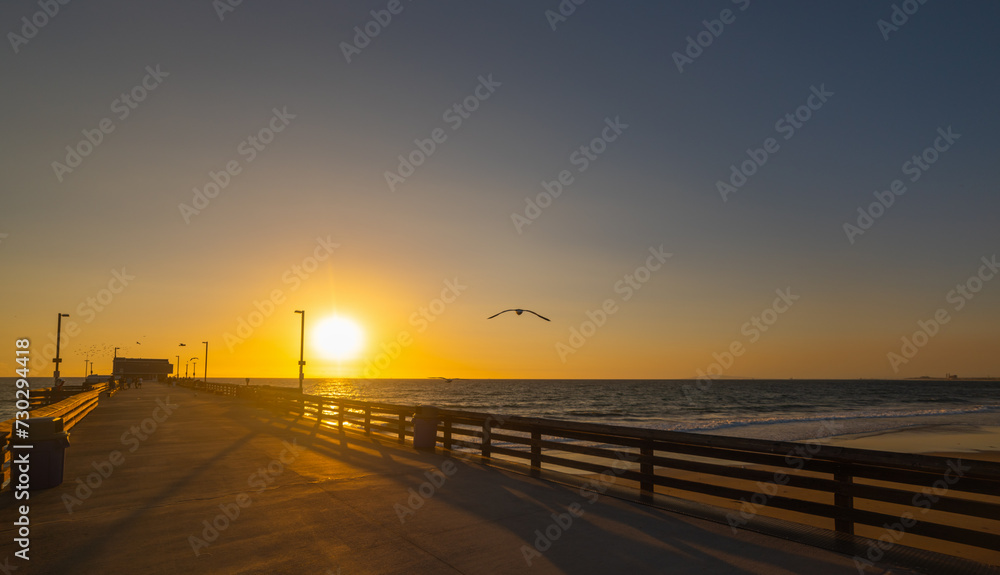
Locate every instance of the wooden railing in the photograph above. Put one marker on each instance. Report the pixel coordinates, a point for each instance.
(72, 409)
(44, 396)
(950, 500)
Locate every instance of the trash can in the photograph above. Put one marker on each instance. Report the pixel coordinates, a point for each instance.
(47, 456)
(425, 424)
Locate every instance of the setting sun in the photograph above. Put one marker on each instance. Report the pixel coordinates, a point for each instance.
(338, 337)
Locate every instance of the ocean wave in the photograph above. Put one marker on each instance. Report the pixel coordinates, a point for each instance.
(593, 414)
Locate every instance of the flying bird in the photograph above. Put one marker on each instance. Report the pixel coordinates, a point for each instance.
(519, 312)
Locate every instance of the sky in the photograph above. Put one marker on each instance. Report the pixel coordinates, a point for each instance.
(684, 189)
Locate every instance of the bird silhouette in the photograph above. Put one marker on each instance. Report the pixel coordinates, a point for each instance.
(519, 312)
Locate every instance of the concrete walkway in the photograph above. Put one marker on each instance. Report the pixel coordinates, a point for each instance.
(283, 501)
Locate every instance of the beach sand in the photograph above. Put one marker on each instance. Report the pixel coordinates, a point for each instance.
(959, 442)
(970, 441)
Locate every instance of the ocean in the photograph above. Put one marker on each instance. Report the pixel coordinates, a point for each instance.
(788, 410)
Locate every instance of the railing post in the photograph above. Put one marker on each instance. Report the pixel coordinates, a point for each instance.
(536, 453)
(485, 445)
(368, 420)
(340, 417)
(402, 428)
(446, 434)
(843, 500)
(646, 486)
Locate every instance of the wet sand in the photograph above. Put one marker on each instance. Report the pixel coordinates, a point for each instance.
(958, 442)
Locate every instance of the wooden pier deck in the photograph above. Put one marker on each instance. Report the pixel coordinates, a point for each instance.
(165, 463)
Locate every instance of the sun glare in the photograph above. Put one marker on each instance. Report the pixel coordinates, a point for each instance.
(338, 337)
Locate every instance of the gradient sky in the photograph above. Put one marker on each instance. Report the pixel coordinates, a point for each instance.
(323, 176)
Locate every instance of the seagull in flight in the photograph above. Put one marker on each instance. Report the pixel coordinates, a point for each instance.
(519, 312)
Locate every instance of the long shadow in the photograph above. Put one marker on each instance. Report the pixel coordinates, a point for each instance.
(94, 547)
(687, 540)
(598, 541)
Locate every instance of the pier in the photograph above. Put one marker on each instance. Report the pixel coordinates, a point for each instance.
(227, 479)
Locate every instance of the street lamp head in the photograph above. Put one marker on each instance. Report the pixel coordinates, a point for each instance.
(300, 311)
(64, 314)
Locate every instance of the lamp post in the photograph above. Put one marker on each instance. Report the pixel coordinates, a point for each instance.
(57, 360)
(85, 362)
(186, 369)
(302, 345)
(179, 363)
(194, 368)
(206, 360)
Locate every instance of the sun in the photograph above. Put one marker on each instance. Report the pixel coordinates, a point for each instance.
(338, 337)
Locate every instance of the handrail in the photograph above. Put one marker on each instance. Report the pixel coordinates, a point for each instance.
(821, 481)
(72, 410)
(44, 396)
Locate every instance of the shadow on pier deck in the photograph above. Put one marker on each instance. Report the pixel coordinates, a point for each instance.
(164, 464)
